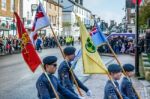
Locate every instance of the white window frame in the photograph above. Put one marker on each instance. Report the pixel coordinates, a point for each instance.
(12, 5)
(3, 3)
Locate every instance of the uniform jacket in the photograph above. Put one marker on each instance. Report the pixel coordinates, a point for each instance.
(45, 91)
(66, 78)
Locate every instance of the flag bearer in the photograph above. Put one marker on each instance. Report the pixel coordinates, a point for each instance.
(43, 87)
(115, 72)
(126, 85)
(65, 74)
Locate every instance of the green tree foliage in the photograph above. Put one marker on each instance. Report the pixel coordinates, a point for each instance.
(144, 15)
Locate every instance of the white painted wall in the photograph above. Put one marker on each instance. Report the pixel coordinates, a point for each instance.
(70, 17)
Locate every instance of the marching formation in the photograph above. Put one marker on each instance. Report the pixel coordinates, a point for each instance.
(49, 86)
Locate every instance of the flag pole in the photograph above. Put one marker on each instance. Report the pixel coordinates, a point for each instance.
(115, 56)
(121, 65)
(66, 61)
(57, 97)
(110, 78)
(120, 96)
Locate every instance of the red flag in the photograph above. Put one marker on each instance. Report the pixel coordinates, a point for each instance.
(139, 1)
(28, 52)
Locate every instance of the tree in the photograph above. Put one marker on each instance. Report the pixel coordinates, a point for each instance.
(144, 15)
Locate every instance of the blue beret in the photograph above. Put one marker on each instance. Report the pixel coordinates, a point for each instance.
(69, 50)
(49, 60)
(114, 68)
(128, 67)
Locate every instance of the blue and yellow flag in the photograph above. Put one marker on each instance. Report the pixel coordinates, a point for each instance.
(97, 36)
(92, 62)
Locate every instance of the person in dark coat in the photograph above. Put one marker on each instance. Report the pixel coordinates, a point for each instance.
(65, 74)
(115, 72)
(43, 87)
(126, 86)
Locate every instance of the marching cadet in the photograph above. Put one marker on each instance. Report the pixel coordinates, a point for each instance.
(65, 74)
(43, 87)
(126, 85)
(115, 72)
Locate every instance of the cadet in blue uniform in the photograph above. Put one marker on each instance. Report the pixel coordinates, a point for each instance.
(115, 72)
(65, 75)
(43, 87)
(126, 85)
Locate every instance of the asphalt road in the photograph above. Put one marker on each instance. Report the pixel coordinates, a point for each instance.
(16, 79)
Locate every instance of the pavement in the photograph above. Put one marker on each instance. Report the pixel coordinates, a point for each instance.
(18, 82)
(97, 82)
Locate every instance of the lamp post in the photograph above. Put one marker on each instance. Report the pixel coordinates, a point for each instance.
(137, 40)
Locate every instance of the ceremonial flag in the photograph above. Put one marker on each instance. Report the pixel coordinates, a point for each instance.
(139, 1)
(92, 62)
(77, 57)
(97, 36)
(28, 52)
(41, 20)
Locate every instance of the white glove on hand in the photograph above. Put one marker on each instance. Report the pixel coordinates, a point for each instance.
(89, 93)
(81, 97)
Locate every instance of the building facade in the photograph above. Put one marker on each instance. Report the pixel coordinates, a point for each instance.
(51, 8)
(130, 15)
(54, 12)
(7, 24)
(70, 8)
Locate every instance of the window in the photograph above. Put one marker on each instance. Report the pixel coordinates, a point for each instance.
(50, 5)
(28, 14)
(55, 8)
(12, 5)
(4, 4)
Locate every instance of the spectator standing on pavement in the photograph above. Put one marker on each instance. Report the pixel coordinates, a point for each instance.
(68, 41)
(43, 87)
(1, 45)
(65, 74)
(53, 42)
(39, 44)
(9, 46)
(72, 40)
(126, 85)
(115, 72)
(64, 40)
(79, 39)
(5, 43)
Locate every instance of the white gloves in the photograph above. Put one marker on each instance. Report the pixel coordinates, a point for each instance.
(89, 93)
(81, 97)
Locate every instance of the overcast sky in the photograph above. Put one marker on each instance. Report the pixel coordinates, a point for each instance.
(107, 9)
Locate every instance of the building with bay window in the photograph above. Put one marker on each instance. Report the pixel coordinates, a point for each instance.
(7, 24)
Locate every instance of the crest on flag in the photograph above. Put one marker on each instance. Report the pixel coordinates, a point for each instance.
(90, 46)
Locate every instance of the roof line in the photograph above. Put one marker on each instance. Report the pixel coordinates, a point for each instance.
(79, 5)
